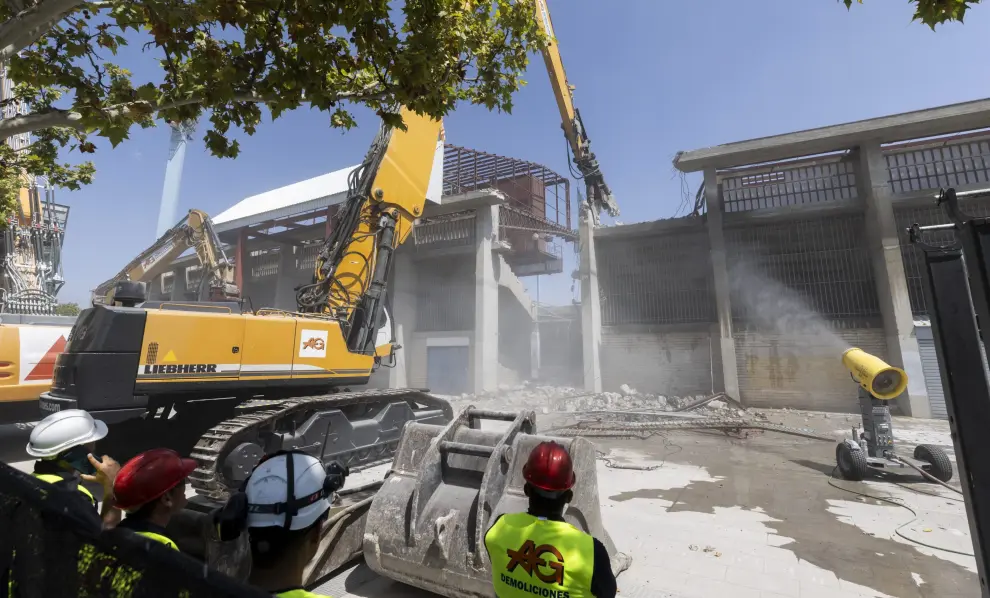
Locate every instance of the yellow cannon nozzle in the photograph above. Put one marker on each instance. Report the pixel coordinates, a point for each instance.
(879, 378)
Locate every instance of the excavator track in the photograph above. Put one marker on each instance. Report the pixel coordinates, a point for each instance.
(256, 425)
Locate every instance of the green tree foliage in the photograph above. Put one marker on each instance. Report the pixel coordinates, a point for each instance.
(228, 58)
(67, 309)
(935, 12)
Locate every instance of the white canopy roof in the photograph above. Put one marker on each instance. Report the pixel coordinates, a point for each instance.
(307, 196)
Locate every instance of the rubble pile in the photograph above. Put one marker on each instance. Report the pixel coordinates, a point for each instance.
(562, 399)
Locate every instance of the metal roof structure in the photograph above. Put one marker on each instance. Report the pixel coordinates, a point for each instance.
(466, 169)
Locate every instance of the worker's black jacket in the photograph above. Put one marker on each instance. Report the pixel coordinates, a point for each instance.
(603, 584)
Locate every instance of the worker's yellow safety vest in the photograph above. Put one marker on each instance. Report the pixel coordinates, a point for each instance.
(159, 538)
(52, 478)
(537, 557)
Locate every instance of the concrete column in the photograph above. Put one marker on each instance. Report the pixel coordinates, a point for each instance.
(888, 271)
(485, 301)
(285, 279)
(240, 259)
(720, 273)
(402, 289)
(178, 284)
(591, 312)
(534, 351)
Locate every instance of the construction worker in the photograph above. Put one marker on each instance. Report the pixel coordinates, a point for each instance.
(151, 488)
(64, 443)
(537, 553)
(284, 534)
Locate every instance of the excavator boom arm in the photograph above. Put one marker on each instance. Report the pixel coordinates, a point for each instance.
(386, 195)
(599, 195)
(194, 230)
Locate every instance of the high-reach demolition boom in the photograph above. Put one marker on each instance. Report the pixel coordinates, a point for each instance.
(194, 230)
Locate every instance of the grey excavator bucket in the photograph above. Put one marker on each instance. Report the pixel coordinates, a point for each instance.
(426, 525)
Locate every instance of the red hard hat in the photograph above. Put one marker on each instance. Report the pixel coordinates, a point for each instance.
(549, 468)
(148, 476)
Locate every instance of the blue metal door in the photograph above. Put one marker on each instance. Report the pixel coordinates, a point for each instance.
(447, 370)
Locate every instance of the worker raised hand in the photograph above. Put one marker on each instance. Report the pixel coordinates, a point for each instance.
(106, 471)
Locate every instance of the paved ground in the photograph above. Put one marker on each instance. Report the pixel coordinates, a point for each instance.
(761, 518)
(754, 518)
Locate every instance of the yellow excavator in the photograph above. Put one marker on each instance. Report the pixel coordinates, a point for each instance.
(244, 384)
(195, 231)
(206, 363)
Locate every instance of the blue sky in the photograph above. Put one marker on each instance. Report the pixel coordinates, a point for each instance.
(652, 78)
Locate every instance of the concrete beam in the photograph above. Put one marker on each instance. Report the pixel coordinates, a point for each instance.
(485, 301)
(795, 212)
(591, 310)
(644, 229)
(470, 200)
(888, 271)
(930, 122)
(720, 273)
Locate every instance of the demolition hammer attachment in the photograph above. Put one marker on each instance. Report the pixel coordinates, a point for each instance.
(426, 525)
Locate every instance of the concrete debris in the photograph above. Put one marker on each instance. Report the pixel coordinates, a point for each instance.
(563, 399)
(628, 391)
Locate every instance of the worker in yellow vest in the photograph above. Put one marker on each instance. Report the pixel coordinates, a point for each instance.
(537, 553)
(151, 488)
(283, 506)
(63, 443)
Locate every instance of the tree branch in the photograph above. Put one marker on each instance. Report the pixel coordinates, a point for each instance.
(30, 25)
(27, 123)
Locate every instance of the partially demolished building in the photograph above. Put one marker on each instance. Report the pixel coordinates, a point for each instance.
(460, 311)
(796, 250)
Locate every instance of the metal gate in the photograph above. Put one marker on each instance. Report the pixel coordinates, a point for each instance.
(447, 370)
(933, 377)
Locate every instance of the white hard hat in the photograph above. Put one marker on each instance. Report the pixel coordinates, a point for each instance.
(267, 490)
(63, 430)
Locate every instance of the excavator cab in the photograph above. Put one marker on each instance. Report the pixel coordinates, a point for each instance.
(129, 293)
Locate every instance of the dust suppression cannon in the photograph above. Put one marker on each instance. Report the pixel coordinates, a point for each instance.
(872, 446)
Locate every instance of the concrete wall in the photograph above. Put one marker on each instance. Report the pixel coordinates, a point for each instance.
(445, 293)
(801, 372)
(665, 360)
(515, 335)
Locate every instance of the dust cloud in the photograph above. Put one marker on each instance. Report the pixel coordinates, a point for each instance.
(773, 306)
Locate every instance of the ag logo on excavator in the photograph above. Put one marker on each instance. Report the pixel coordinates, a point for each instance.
(530, 558)
(313, 343)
